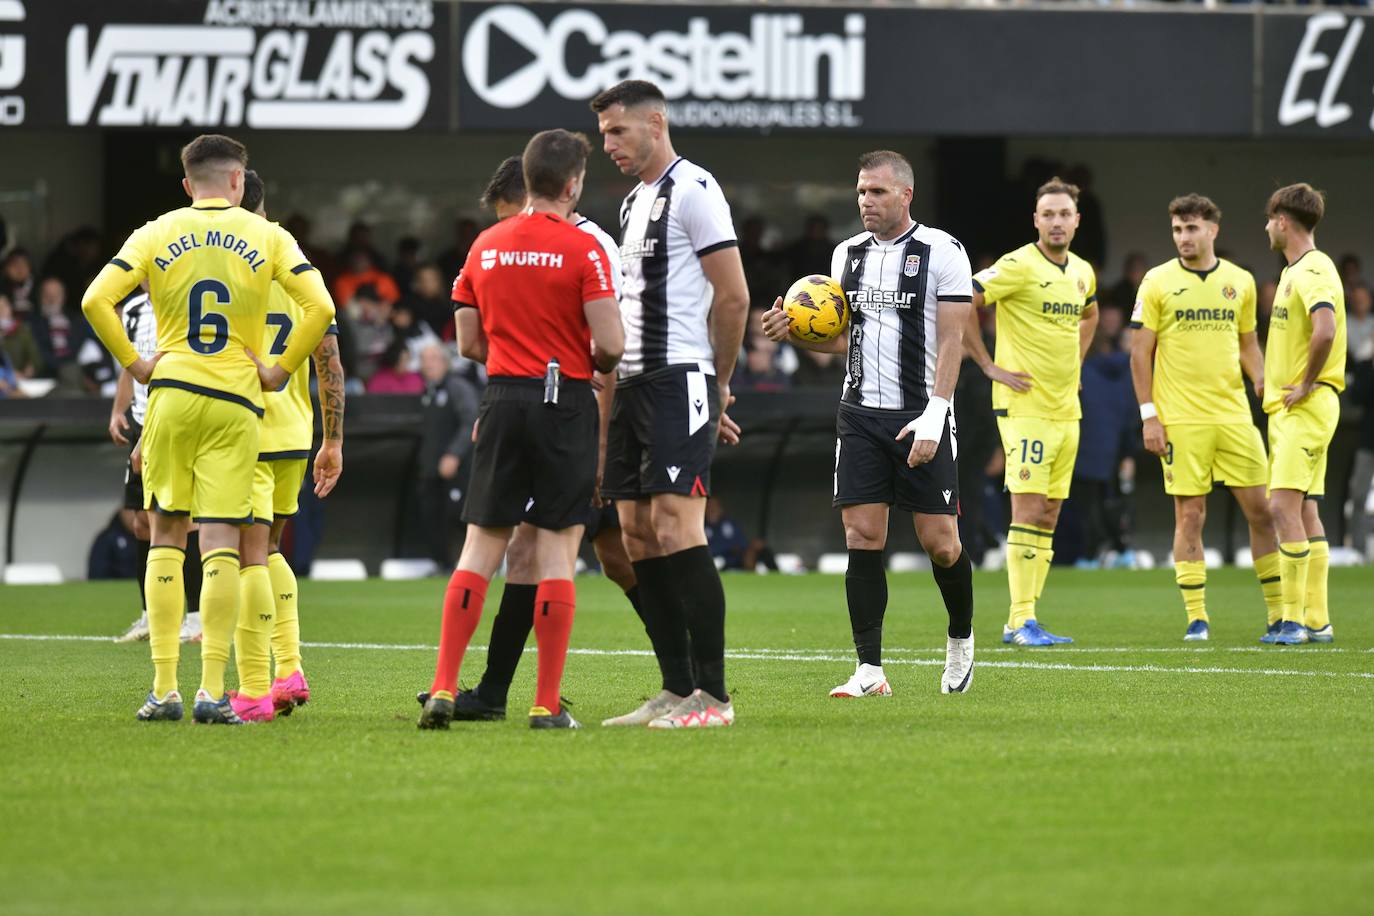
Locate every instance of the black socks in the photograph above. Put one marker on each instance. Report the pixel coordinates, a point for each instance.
(660, 607)
(956, 587)
(697, 581)
(191, 572)
(509, 633)
(865, 586)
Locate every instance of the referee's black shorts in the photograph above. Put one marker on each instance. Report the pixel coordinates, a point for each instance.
(870, 464)
(133, 482)
(533, 462)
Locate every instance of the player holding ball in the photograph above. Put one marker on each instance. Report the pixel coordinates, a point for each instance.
(910, 290)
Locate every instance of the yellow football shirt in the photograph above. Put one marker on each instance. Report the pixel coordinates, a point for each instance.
(1309, 283)
(210, 267)
(1198, 317)
(288, 425)
(1040, 305)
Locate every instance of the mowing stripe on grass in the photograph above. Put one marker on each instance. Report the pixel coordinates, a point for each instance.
(806, 655)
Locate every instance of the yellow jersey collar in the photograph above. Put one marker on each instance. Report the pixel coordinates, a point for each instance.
(211, 203)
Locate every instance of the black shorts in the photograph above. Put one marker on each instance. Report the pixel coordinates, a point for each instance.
(870, 464)
(663, 434)
(533, 462)
(133, 483)
(604, 519)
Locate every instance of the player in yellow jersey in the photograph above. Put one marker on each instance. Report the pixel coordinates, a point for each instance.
(284, 441)
(1046, 314)
(1304, 374)
(210, 267)
(1195, 321)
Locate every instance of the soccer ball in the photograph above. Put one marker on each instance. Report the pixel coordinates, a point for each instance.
(816, 308)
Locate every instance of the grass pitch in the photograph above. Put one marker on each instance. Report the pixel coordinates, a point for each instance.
(1130, 773)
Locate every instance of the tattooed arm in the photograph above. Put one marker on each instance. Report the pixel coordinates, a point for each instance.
(329, 370)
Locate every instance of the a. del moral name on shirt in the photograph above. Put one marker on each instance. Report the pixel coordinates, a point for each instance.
(213, 239)
(492, 256)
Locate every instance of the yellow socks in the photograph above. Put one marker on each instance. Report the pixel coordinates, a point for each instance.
(1191, 576)
(286, 628)
(1267, 571)
(219, 612)
(1294, 557)
(166, 596)
(1317, 615)
(253, 636)
(1028, 554)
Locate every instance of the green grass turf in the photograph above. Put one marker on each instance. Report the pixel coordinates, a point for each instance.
(1134, 786)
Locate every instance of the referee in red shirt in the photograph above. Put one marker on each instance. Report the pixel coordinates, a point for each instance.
(535, 303)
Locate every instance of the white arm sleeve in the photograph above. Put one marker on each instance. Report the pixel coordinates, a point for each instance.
(705, 215)
(953, 276)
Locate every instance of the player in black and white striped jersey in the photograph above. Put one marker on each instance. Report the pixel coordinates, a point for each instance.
(126, 428)
(684, 307)
(910, 290)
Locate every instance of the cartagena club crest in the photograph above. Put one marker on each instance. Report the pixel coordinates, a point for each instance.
(913, 265)
(1229, 292)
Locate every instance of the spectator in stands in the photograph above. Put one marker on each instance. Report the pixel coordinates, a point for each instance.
(323, 260)
(359, 239)
(1121, 294)
(114, 553)
(371, 329)
(407, 263)
(979, 441)
(446, 437)
(809, 254)
(9, 381)
(361, 270)
(429, 300)
(58, 336)
(1090, 241)
(819, 370)
(76, 260)
(729, 544)
(1107, 439)
(16, 339)
(1264, 306)
(761, 368)
(395, 375)
(451, 260)
(414, 332)
(1359, 330)
(1361, 394)
(767, 276)
(17, 283)
(1352, 272)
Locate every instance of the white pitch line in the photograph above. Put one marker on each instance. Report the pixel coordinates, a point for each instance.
(801, 656)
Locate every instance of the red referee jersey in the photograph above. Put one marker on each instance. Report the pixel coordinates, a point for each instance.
(529, 276)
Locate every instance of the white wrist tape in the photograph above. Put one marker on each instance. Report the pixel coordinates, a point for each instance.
(930, 425)
(1147, 410)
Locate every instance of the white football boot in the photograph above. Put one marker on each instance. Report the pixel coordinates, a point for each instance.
(137, 632)
(958, 673)
(868, 681)
(662, 704)
(190, 628)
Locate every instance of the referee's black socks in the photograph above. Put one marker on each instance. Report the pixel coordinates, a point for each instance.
(660, 607)
(956, 587)
(509, 633)
(696, 578)
(865, 587)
